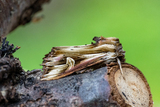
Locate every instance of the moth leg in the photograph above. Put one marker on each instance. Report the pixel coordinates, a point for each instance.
(119, 62)
(120, 66)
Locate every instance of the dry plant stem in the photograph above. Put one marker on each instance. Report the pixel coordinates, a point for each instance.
(104, 50)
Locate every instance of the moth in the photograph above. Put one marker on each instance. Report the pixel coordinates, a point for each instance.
(65, 60)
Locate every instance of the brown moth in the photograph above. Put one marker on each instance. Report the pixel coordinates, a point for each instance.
(63, 61)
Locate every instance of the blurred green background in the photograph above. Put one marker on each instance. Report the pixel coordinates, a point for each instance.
(75, 22)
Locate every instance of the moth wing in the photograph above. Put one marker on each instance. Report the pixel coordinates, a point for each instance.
(83, 64)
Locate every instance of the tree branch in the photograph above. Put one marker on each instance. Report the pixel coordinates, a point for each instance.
(108, 84)
(17, 12)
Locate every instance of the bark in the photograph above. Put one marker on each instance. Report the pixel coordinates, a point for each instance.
(84, 90)
(17, 12)
(93, 89)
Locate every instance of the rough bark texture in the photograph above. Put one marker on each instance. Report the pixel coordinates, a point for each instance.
(17, 12)
(91, 89)
(84, 90)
